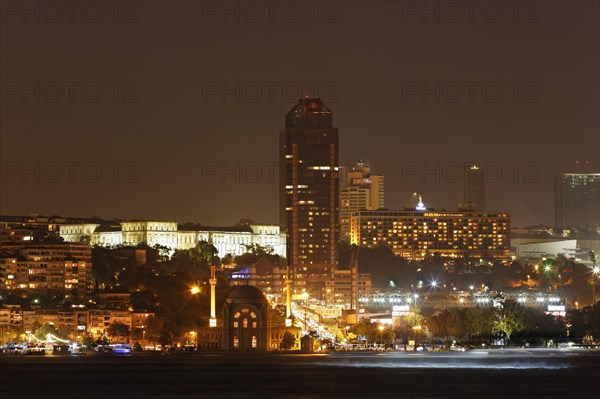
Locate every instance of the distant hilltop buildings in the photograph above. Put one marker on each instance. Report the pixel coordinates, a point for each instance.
(95, 231)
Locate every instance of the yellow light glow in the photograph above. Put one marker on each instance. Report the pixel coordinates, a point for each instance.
(195, 290)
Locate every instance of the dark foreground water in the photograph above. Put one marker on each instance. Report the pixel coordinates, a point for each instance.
(493, 374)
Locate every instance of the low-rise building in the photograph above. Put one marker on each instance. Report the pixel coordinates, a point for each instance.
(100, 319)
(114, 300)
(341, 290)
(49, 269)
(333, 288)
(70, 323)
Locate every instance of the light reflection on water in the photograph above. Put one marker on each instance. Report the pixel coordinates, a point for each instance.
(447, 365)
(467, 360)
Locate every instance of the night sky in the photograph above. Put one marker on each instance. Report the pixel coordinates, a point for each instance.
(161, 122)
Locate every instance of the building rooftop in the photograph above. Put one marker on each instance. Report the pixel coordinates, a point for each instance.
(104, 228)
(199, 227)
(309, 113)
(246, 293)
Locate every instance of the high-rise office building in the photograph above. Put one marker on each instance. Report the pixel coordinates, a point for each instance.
(309, 193)
(472, 188)
(359, 190)
(577, 200)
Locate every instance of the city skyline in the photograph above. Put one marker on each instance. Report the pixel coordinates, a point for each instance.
(408, 200)
(231, 198)
(163, 138)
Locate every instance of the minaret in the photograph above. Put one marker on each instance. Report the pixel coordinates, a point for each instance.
(288, 299)
(213, 284)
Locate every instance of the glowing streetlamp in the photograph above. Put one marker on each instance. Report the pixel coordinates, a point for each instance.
(195, 290)
(305, 296)
(381, 327)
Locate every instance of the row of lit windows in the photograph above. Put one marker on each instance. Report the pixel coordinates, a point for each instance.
(236, 324)
(236, 341)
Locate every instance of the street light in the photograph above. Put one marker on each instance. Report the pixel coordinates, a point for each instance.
(193, 335)
(195, 290)
(381, 333)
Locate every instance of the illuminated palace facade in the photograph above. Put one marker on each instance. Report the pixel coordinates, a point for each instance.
(417, 234)
(227, 240)
(309, 194)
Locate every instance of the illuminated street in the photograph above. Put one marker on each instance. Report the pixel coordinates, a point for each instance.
(309, 321)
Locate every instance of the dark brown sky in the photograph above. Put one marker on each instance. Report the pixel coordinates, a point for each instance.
(361, 55)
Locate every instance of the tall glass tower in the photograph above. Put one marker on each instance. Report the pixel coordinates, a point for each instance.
(472, 188)
(308, 199)
(577, 203)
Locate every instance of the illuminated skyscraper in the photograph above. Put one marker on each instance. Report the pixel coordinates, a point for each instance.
(577, 200)
(472, 188)
(309, 193)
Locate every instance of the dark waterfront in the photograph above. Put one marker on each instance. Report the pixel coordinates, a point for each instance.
(484, 374)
